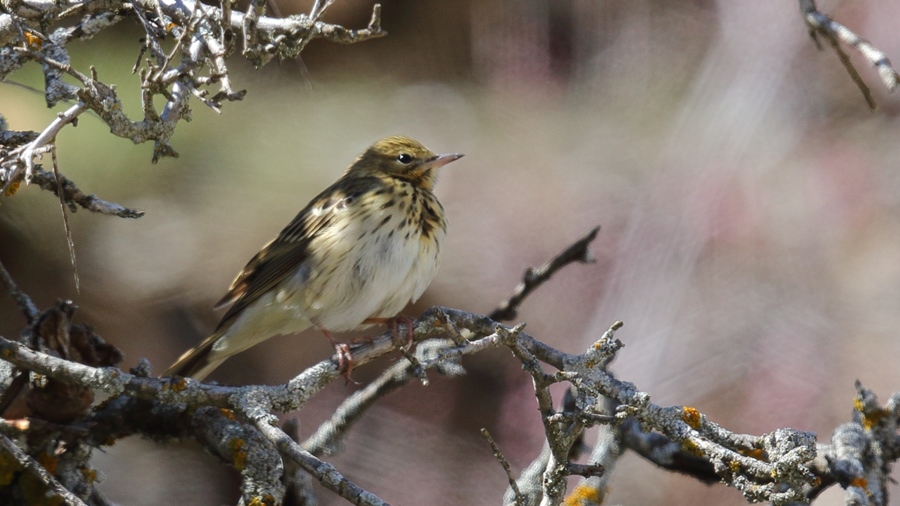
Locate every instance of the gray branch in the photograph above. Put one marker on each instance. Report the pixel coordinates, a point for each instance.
(820, 24)
(782, 467)
(204, 41)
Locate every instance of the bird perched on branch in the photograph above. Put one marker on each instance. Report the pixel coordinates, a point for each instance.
(356, 254)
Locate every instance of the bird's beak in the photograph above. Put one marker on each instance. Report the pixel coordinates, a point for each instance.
(441, 160)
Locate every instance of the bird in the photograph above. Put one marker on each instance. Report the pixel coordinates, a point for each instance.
(356, 255)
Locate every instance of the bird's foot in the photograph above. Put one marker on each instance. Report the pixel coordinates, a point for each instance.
(394, 324)
(345, 358)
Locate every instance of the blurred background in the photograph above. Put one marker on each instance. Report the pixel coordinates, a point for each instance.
(749, 199)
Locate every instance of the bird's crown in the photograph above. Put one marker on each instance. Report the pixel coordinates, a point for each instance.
(396, 156)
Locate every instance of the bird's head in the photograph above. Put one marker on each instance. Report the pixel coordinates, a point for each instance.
(403, 158)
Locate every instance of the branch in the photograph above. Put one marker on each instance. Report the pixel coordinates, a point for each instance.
(513, 487)
(579, 251)
(836, 33)
(26, 306)
(204, 40)
(775, 467)
(74, 196)
(42, 144)
(327, 475)
(245, 449)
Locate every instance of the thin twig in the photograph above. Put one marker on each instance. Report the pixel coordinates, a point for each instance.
(439, 354)
(62, 207)
(821, 24)
(327, 475)
(73, 195)
(27, 153)
(25, 303)
(579, 251)
(520, 501)
(587, 470)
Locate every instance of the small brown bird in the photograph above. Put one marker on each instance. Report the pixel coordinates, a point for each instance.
(356, 254)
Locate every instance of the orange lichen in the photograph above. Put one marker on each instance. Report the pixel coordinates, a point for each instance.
(691, 416)
(755, 453)
(33, 41)
(265, 500)
(48, 462)
(859, 482)
(238, 455)
(735, 466)
(12, 188)
(584, 494)
(90, 475)
(870, 417)
(691, 447)
(178, 385)
(227, 413)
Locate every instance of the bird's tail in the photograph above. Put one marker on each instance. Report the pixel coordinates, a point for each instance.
(198, 361)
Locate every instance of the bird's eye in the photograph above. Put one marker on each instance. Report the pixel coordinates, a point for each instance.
(404, 158)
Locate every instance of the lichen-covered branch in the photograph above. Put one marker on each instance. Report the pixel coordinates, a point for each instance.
(239, 424)
(204, 39)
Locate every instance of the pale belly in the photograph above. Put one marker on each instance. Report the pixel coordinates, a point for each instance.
(371, 276)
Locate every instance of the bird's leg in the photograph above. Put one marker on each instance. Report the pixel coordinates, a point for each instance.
(394, 324)
(345, 358)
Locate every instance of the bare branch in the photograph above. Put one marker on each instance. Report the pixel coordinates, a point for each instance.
(773, 467)
(327, 475)
(836, 33)
(74, 196)
(204, 39)
(579, 251)
(520, 501)
(26, 306)
(24, 156)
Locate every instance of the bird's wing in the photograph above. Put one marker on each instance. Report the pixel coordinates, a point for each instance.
(286, 253)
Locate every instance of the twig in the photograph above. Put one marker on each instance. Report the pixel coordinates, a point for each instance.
(25, 303)
(298, 484)
(607, 449)
(520, 501)
(327, 475)
(529, 481)
(561, 434)
(48, 181)
(62, 207)
(821, 24)
(204, 39)
(579, 251)
(665, 453)
(38, 470)
(587, 471)
(442, 354)
(328, 435)
(27, 153)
